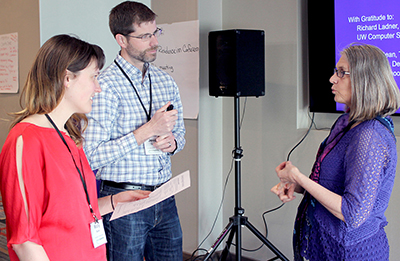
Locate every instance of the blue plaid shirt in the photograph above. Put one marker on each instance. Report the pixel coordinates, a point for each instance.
(110, 145)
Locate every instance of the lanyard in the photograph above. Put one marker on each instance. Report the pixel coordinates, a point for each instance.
(80, 174)
(148, 114)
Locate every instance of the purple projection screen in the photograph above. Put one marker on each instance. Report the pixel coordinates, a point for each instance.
(371, 22)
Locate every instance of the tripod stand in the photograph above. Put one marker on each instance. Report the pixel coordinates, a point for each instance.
(238, 220)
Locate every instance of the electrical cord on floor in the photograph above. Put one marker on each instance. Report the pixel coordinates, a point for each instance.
(200, 257)
(266, 228)
(222, 199)
(224, 190)
(288, 158)
(220, 205)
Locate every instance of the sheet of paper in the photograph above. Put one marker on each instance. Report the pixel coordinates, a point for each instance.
(170, 188)
(9, 81)
(179, 56)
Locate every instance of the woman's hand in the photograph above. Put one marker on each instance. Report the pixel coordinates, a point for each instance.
(106, 206)
(287, 172)
(130, 195)
(288, 175)
(292, 180)
(285, 191)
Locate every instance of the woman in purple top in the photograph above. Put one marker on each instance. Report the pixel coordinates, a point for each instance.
(341, 216)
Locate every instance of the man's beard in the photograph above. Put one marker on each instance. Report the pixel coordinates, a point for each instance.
(143, 56)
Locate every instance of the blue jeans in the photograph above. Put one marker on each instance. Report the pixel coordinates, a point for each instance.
(153, 233)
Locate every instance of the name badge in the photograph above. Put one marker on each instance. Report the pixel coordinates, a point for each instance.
(149, 147)
(98, 233)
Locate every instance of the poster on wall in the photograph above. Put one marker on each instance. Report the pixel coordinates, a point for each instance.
(178, 55)
(9, 63)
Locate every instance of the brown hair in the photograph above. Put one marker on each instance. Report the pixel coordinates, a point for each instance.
(125, 15)
(44, 86)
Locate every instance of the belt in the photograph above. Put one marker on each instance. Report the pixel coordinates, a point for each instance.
(129, 186)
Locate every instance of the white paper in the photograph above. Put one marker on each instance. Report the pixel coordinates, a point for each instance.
(9, 63)
(179, 56)
(170, 188)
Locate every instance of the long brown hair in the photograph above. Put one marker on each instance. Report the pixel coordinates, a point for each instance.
(44, 86)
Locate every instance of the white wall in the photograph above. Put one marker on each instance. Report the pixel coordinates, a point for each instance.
(87, 19)
(210, 129)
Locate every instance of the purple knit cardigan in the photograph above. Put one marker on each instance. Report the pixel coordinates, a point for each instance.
(361, 168)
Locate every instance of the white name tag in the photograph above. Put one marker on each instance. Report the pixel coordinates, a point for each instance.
(149, 148)
(98, 233)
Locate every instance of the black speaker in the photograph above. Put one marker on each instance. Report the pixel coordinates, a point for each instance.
(236, 63)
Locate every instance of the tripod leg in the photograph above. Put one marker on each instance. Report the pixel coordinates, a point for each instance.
(219, 240)
(225, 252)
(265, 240)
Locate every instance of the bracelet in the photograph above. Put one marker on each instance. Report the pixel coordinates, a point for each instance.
(112, 204)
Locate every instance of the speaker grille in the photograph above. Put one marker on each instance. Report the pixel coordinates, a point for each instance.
(236, 63)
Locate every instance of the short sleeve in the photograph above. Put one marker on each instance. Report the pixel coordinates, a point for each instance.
(20, 228)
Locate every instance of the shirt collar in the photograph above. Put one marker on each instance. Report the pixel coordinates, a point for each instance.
(128, 67)
(131, 69)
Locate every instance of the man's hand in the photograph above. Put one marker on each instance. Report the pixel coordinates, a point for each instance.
(160, 125)
(165, 143)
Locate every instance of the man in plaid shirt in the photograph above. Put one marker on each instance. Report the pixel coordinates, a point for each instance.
(135, 126)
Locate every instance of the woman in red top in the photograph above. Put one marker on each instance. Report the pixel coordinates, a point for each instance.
(48, 188)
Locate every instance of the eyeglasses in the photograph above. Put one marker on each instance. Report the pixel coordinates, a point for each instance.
(146, 37)
(340, 73)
